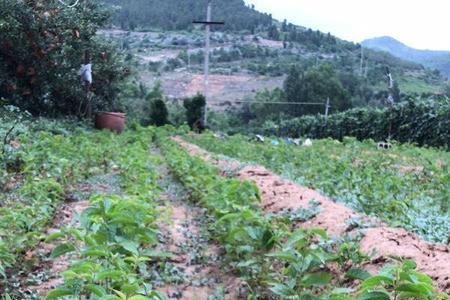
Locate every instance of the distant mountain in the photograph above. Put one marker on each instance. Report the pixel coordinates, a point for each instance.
(439, 60)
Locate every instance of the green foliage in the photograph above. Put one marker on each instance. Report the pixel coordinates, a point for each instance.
(43, 43)
(13, 123)
(419, 121)
(195, 108)
(113, 251)
(263, 111)
(176, 15)
(158, 113)
(401, 280)
(315, 86)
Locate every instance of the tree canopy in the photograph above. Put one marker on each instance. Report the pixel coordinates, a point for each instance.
(316, 85)
(42, 46)
(178, 15)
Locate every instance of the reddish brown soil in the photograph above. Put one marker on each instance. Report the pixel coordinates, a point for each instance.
(180, 231)
(278, 193)
(193, 253)
(64, 217)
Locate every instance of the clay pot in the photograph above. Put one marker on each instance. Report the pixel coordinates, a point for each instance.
(110, 120)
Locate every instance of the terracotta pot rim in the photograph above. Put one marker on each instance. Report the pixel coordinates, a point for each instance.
(115, 114)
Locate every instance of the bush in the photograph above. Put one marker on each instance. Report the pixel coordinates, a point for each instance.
(195, 107)
(156, 112)
(419, 121)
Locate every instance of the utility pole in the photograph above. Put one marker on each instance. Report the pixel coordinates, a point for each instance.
(327, 109)
(208, 24)
(362, 61)
(206, 68)
(391, 86)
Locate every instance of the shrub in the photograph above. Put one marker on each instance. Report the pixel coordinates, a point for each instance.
(195, 107)
(156, 112)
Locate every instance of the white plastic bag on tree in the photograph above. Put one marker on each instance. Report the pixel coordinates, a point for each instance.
(86, 73)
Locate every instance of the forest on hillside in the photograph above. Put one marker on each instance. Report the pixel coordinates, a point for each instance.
(178, 15)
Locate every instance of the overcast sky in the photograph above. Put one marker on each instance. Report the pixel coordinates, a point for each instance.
(423, 24)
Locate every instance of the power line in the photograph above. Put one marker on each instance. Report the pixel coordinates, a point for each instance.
(273, 102)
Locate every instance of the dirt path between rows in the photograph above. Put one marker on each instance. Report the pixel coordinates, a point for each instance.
(279, 194)
(53, 268)
(196, 261)
(45, 273)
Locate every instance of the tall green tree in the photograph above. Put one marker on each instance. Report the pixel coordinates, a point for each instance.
(42, 46)
(315, 86)
(322, 83)
(293, 89)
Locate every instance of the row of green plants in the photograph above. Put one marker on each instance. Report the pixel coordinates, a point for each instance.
(118, 234)
(418, 121)
(406, 186)
(35, 175)
(277, 261)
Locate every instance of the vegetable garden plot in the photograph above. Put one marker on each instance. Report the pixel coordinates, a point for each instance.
(406, 186)
(43, 168)
(279, 195)
(117, 252)
(108, 245)
(275, 260)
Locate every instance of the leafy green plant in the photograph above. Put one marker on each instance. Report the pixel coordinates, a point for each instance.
(400, 281)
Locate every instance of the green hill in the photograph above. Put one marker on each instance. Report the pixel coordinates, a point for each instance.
(178, 15)
(255, 44)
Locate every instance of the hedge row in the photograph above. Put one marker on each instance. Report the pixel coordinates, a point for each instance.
(422, 122)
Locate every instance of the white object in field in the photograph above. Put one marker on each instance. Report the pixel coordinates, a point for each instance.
(384, 146)
(297, 141)
(86, 73)
(220, 135)
(307, 143)
(260, 138)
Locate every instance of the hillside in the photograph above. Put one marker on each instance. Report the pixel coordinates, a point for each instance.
(439, 60)
(253, 58)
(176, 15)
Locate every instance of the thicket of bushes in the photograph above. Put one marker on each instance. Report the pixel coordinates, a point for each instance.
(419, 121)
